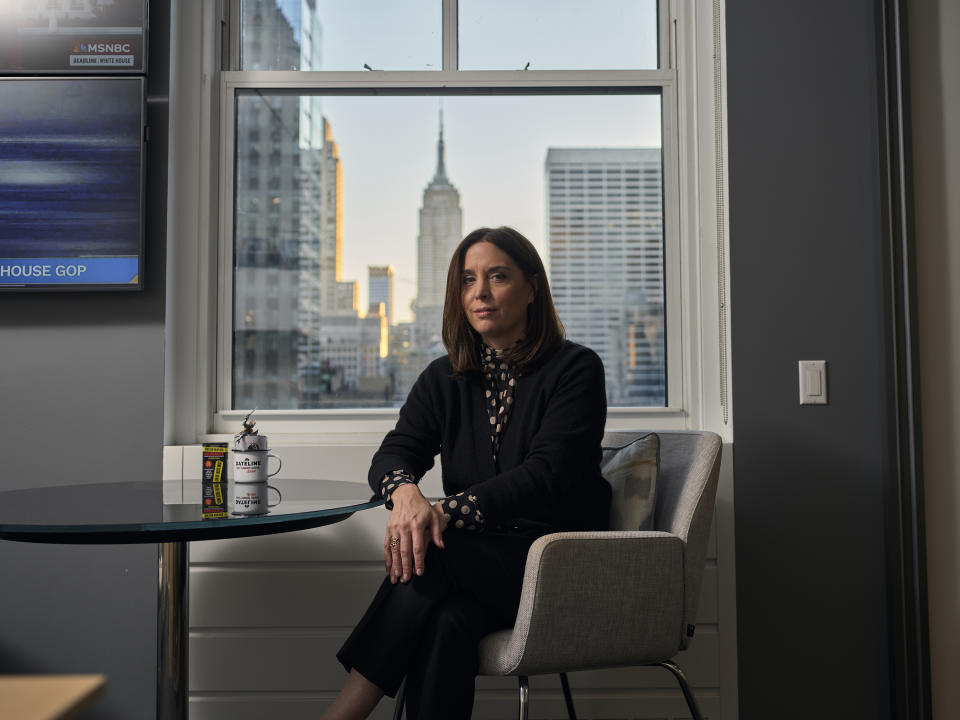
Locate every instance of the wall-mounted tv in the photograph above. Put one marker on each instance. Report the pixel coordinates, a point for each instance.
(73, 36)
(71, 183)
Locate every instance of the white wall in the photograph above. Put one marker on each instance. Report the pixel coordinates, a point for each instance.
(935, 99)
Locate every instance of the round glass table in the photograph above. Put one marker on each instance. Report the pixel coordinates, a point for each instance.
(132, 512)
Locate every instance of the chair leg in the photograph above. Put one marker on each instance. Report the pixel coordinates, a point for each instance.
(524, 697)
(568, 698)
(684, 686)
(401, 697)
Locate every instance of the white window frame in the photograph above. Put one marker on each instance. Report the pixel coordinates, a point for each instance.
(200, 267)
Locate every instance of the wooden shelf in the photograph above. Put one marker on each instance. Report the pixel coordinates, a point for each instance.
(48, 697)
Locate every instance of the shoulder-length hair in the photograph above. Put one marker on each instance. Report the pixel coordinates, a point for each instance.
(544, 333)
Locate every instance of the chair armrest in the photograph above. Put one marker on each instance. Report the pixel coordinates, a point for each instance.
(592, 600)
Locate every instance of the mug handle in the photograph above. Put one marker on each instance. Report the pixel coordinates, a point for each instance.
(279, 465)
(279, 495)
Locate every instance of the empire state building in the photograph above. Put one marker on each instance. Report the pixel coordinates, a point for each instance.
(441, 229)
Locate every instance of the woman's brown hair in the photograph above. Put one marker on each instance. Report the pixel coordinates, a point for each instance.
(544, 332)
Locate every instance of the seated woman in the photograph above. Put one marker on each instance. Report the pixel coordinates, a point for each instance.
(517, 415)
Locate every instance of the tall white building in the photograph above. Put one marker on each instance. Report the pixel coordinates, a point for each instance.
(605, 233)
(441, 229)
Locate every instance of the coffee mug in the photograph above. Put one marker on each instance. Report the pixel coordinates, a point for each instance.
(250, 466)
(252, 498)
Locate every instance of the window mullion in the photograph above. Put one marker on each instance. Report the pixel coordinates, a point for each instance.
(230, 35)
(365, 81)
(667, 41)
(225, 302)
(450, 35)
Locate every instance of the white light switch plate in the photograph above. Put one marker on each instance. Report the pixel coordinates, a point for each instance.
(813, 382)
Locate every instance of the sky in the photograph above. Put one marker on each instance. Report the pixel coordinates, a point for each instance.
(495, 153)
(496, 146)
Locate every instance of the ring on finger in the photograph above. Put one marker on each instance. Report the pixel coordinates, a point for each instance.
(394, 542)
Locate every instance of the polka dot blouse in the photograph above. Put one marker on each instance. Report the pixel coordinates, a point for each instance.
(499, 387)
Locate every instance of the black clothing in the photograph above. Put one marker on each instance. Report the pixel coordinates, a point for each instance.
(500, 376)
(547, 474)
(545, 478)
(429, 628)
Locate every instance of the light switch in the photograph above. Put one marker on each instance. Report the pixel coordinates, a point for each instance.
(813, 382)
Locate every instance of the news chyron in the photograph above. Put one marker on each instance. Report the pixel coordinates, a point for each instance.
(40, 37)
(71, 169)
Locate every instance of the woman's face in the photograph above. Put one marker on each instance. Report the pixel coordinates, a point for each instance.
(495, 295)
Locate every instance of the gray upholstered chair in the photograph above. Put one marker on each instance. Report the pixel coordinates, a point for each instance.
(622, 597)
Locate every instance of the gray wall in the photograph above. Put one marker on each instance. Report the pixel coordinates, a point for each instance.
(83, 374)
(807, 283)
(81, 388)
(935, 99)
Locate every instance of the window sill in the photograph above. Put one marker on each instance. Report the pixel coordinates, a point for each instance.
(362, 427)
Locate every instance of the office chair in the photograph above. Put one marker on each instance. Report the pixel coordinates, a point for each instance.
(621, 597)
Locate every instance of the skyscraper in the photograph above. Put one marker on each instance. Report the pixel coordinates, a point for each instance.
(441, 229)
(330, 235)
(299, 338)
(380, 287)
(605, 215)
(279, 219)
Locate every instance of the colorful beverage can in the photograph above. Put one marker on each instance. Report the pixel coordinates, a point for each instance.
(213, 480)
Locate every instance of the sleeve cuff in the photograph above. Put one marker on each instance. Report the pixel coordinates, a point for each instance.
(463, 512)
(391, 481)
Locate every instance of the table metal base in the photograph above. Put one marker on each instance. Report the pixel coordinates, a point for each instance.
(172, 629)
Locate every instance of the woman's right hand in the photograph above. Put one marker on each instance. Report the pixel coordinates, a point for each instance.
(413, 523)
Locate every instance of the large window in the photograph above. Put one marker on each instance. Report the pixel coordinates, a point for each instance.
(359, 142)
(347, 210)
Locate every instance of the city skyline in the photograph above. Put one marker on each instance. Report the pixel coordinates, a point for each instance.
(496, 144)
(329, 188)
(499, 173)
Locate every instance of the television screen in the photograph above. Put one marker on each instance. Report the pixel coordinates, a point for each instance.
(71, 183)
(67, 36)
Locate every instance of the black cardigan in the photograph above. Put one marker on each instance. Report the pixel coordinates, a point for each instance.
(547, 475)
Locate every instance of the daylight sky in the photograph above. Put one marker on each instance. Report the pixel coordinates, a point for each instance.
(495, 146)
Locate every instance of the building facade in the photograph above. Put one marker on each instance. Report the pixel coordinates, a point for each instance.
(281, 219)
(380, 288)
(605, 238)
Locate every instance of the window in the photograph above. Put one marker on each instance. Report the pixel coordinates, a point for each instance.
(545, 35)
(581, 130)
(440, 166)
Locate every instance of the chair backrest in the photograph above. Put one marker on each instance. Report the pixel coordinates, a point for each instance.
(685, 496)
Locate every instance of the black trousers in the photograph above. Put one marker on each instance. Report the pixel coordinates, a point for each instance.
(428, 629)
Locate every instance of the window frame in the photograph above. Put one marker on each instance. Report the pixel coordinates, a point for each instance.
(694, 237)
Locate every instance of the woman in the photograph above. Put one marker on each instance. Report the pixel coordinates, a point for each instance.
(517, 415)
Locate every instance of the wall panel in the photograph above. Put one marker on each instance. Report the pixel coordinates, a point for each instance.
(267, 615)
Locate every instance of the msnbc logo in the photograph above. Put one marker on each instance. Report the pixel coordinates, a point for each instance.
(103, 48)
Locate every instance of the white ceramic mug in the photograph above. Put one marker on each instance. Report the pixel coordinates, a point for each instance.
(252, 498)
(250, 466)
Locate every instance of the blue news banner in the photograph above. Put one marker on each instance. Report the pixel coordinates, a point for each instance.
(86, 271)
